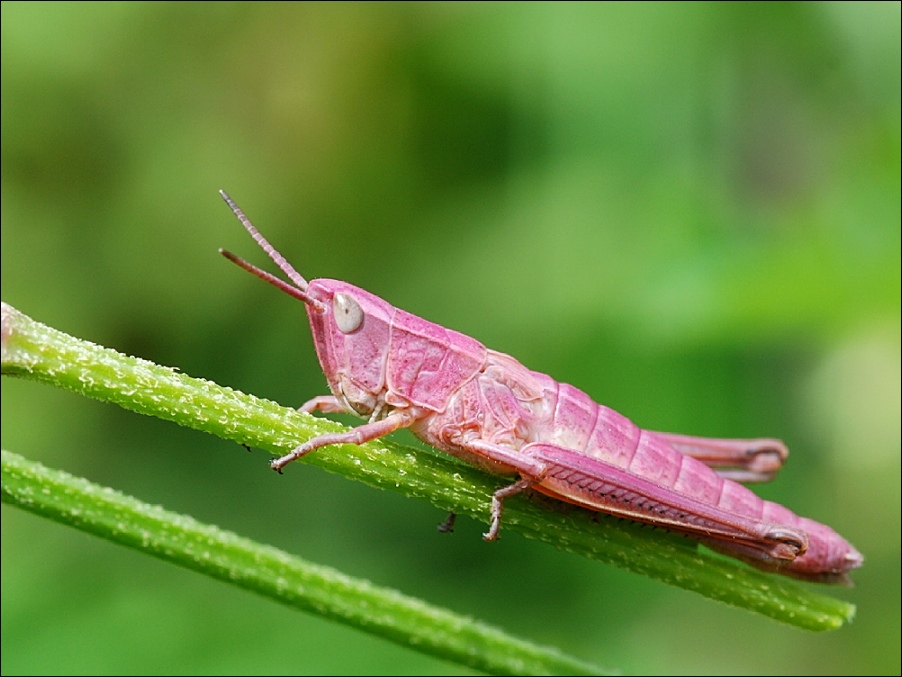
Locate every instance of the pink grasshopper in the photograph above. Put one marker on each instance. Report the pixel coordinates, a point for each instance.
(484, 407)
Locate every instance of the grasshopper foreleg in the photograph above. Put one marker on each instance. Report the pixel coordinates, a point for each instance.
(327, 404)
(400, 418)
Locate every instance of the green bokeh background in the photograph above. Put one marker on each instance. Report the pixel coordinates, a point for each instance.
(690, 211)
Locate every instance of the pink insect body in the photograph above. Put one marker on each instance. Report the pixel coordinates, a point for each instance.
(401, 371)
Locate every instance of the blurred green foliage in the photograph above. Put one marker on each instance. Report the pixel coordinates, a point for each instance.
(690, 211)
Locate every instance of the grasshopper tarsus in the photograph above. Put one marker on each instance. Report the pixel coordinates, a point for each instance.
(447, 526)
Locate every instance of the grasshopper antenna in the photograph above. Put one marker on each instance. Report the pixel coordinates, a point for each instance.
(299, 290)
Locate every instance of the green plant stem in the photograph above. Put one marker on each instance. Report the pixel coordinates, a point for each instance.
(35, 351)
(274, 573)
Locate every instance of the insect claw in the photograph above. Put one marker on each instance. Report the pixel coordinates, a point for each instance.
(447, 526)
(790, 543)
(765, 461)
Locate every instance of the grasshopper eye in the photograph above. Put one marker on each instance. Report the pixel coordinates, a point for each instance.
(348, 313)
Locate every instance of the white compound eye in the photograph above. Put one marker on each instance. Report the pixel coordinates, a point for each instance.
(348, 313)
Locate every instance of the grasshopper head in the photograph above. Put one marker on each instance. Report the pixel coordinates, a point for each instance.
(351, 327)
(352, 336)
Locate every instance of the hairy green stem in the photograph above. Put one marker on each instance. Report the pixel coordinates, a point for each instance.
(32, 350)
(274, 573)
